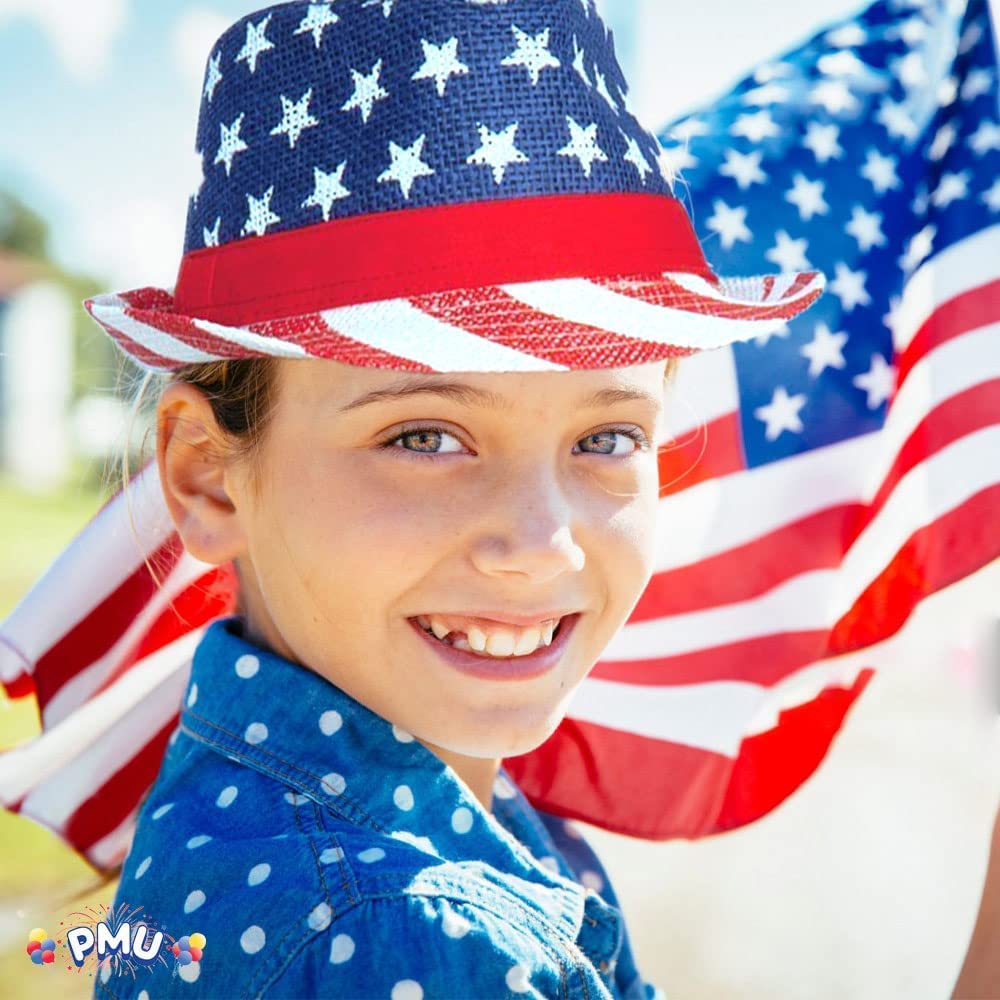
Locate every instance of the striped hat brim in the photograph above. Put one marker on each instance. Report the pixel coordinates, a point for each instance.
(551, 325)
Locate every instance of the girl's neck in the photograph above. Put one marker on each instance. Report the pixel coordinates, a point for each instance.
(478, 773)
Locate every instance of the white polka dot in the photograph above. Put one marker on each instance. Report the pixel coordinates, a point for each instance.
(199, 841)
(330, 722)
(401, 734)
(194, 900)
(572, 831)
(192, 695)
(502, 788)
(296, 798)
(252, 939)
(190, 972)
(461, 820)
(106, 971)
(371, 854)
(320, 917)
(142, 995)
(592, 880)
(549, 862)
(258, 873)
(247, 665)
(453, 925)
(341, 948)
(517, 979)
(163, 810)
(226, 796)
(330, 855)
(256, 733)
(333, 783)
(424, 844)
(143, 866)
(403, 797)
(407, 989)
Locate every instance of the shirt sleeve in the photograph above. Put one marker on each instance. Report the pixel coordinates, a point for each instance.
(410, 947)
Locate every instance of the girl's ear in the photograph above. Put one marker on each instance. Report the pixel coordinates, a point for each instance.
(197, 482)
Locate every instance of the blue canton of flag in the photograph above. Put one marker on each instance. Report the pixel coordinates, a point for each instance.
(863, 153)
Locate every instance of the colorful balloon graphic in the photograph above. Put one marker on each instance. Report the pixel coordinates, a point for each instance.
(41, 948)
(189, 948)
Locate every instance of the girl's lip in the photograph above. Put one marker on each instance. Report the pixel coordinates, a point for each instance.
(507, 668)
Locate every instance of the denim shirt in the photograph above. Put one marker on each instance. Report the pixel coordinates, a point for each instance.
(324, 852)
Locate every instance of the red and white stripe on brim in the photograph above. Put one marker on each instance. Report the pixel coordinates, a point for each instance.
(534, 284)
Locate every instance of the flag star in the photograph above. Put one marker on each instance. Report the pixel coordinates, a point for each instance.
(849, 287)
(895, 120)
(213, 76)
(406, 165)
(942, 141)
(977, 82)
(866, 228)
(578, 56)
(918, 248)
(825, 350)
(986, 138)
(756, 127)
(970, 37)
(913, 30)
(367, 90)
(532, 53)
(910, 69)
(295, 118)
(781, 414)
(878, 382)
(763, 339)
(260, 216)
(231, 143)
(768, 93)
(497, 150)
(891, 317)
(991, 197)
(950, 188)
(690, 128)
(586, 7)
(841, 63)
(744, 168)
(807, 197)
(211, 236)
(583, 144)
(673, 160)
(834, 95)
(256, 43)
(319, 16)
(634, 156)
(601, 86)
(440, 63)
(947, 91)
(847, 36)
(788, 254)
(822, 140)
(770, 71)
(880, 171)
(729, 223)
(328, 188)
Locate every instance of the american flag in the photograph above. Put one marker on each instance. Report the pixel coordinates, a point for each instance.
(821, 481)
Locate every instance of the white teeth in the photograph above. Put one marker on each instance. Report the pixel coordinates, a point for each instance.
(499, 641)
(439, 630)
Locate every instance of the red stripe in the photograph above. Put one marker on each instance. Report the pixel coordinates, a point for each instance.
(967, 311)
(706, 452)
(498, 317)
(413, 251)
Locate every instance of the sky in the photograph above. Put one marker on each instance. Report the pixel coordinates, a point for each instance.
(101, 99)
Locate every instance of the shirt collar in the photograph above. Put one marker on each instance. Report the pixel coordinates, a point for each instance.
(294, 725)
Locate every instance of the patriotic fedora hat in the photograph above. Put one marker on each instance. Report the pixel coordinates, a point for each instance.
(435, 185)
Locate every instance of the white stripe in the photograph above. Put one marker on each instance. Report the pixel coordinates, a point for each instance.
(399, 327)
(965, 265)
(734, 289)
(105, 553)
(581, 301)
(257, 341)
(704, 388)
(816, 600)
(110, 309)
(112, 849)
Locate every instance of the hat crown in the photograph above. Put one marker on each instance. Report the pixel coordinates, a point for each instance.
(313, 112)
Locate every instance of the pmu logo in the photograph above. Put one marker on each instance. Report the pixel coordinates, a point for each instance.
(127, 941)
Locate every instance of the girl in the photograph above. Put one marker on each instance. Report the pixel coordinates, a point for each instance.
(433, 286)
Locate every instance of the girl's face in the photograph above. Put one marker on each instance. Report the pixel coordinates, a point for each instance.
(505, 491)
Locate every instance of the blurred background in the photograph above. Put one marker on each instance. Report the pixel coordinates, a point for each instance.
(864, 884)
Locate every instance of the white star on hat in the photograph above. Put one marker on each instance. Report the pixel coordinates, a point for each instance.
(497, 150)
(583, 144)
(320, 16)
(260, 216)
(211, 236)
(256, 43)
(634, 156)
(440, 63)
(406, 165)
(825, 350)
(601, 86)
(578, 56)
(213, 77)
(328, 189)
(532, 53)
(231, 143)
(367, 90)
(781, 414)
(295, 118)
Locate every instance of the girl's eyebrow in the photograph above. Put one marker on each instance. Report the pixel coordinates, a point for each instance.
(469, 395)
